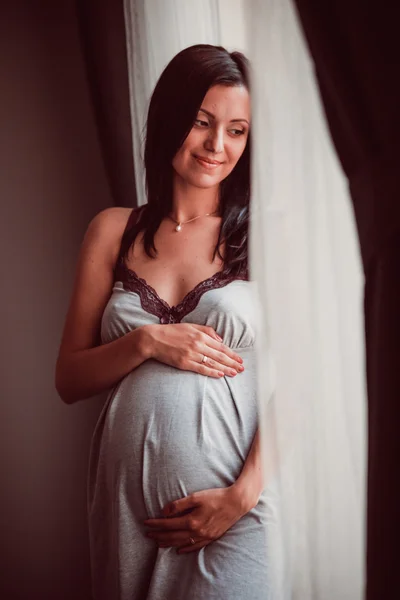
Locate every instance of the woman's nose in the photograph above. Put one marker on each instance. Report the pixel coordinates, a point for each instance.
(215, 141)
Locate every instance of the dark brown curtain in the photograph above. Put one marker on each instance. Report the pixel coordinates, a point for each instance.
(355, 45)
(102, 32)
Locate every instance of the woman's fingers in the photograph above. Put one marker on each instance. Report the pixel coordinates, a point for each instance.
(219, 360)
(212, 365)
(211, 368)
(193, 547)
(224, 350)
(178, 539)
(213, 340)
(199, 367)
(209, 331)
(171, 538)
(176, 507)
(169, 524)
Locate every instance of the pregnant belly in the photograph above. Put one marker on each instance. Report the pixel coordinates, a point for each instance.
(169, 433)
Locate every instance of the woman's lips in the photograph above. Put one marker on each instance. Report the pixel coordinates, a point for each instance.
(206, 163)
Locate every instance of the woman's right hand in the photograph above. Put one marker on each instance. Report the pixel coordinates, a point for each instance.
(184, 345)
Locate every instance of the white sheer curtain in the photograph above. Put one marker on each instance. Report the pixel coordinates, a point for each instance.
(305, 259)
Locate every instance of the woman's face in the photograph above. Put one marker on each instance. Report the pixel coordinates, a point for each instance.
(217, 139)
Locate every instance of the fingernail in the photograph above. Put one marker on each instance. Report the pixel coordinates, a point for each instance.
(240, 359)
(220, 374)
(219, 338)
(241, 368)
(233, 372)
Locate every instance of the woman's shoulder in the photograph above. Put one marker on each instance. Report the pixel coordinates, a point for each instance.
(114, 217)
(112, 222)
(107, 228)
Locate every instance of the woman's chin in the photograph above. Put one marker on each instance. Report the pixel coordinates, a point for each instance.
(204, 181)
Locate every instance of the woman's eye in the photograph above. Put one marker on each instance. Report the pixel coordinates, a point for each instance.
(201, 123)
(237, 132)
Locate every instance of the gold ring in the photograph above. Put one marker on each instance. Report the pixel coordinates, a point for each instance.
(191, 540)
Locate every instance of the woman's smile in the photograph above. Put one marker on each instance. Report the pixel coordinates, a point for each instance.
(207, 163)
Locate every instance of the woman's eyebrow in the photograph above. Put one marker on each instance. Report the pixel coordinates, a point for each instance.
(231, 121)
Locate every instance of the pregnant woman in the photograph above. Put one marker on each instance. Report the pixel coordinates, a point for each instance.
(163, 315)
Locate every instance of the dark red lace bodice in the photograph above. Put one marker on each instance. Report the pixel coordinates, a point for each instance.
(153, 304)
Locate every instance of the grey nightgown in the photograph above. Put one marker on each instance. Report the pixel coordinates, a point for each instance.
(165, 433)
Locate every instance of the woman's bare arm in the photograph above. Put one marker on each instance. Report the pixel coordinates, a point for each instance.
(250, 483)
(84, 367)
(85, 373)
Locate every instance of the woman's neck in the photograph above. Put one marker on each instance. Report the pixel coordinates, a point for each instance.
(189, 201)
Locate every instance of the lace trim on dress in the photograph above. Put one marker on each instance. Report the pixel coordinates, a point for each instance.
(153, 304)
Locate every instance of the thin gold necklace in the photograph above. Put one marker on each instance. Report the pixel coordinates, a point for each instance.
(180, 223)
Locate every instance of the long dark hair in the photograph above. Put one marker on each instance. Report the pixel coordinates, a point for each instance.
(173, 108)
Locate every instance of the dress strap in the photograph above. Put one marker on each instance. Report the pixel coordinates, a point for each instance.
(132, 219)
(131, 222)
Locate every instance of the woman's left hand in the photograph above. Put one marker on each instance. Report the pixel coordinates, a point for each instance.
(212, 513)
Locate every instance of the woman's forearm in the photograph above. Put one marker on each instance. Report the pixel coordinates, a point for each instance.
(88, 372)
(250, 483)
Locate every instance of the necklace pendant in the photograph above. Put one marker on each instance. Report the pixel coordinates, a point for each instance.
(178, 227)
